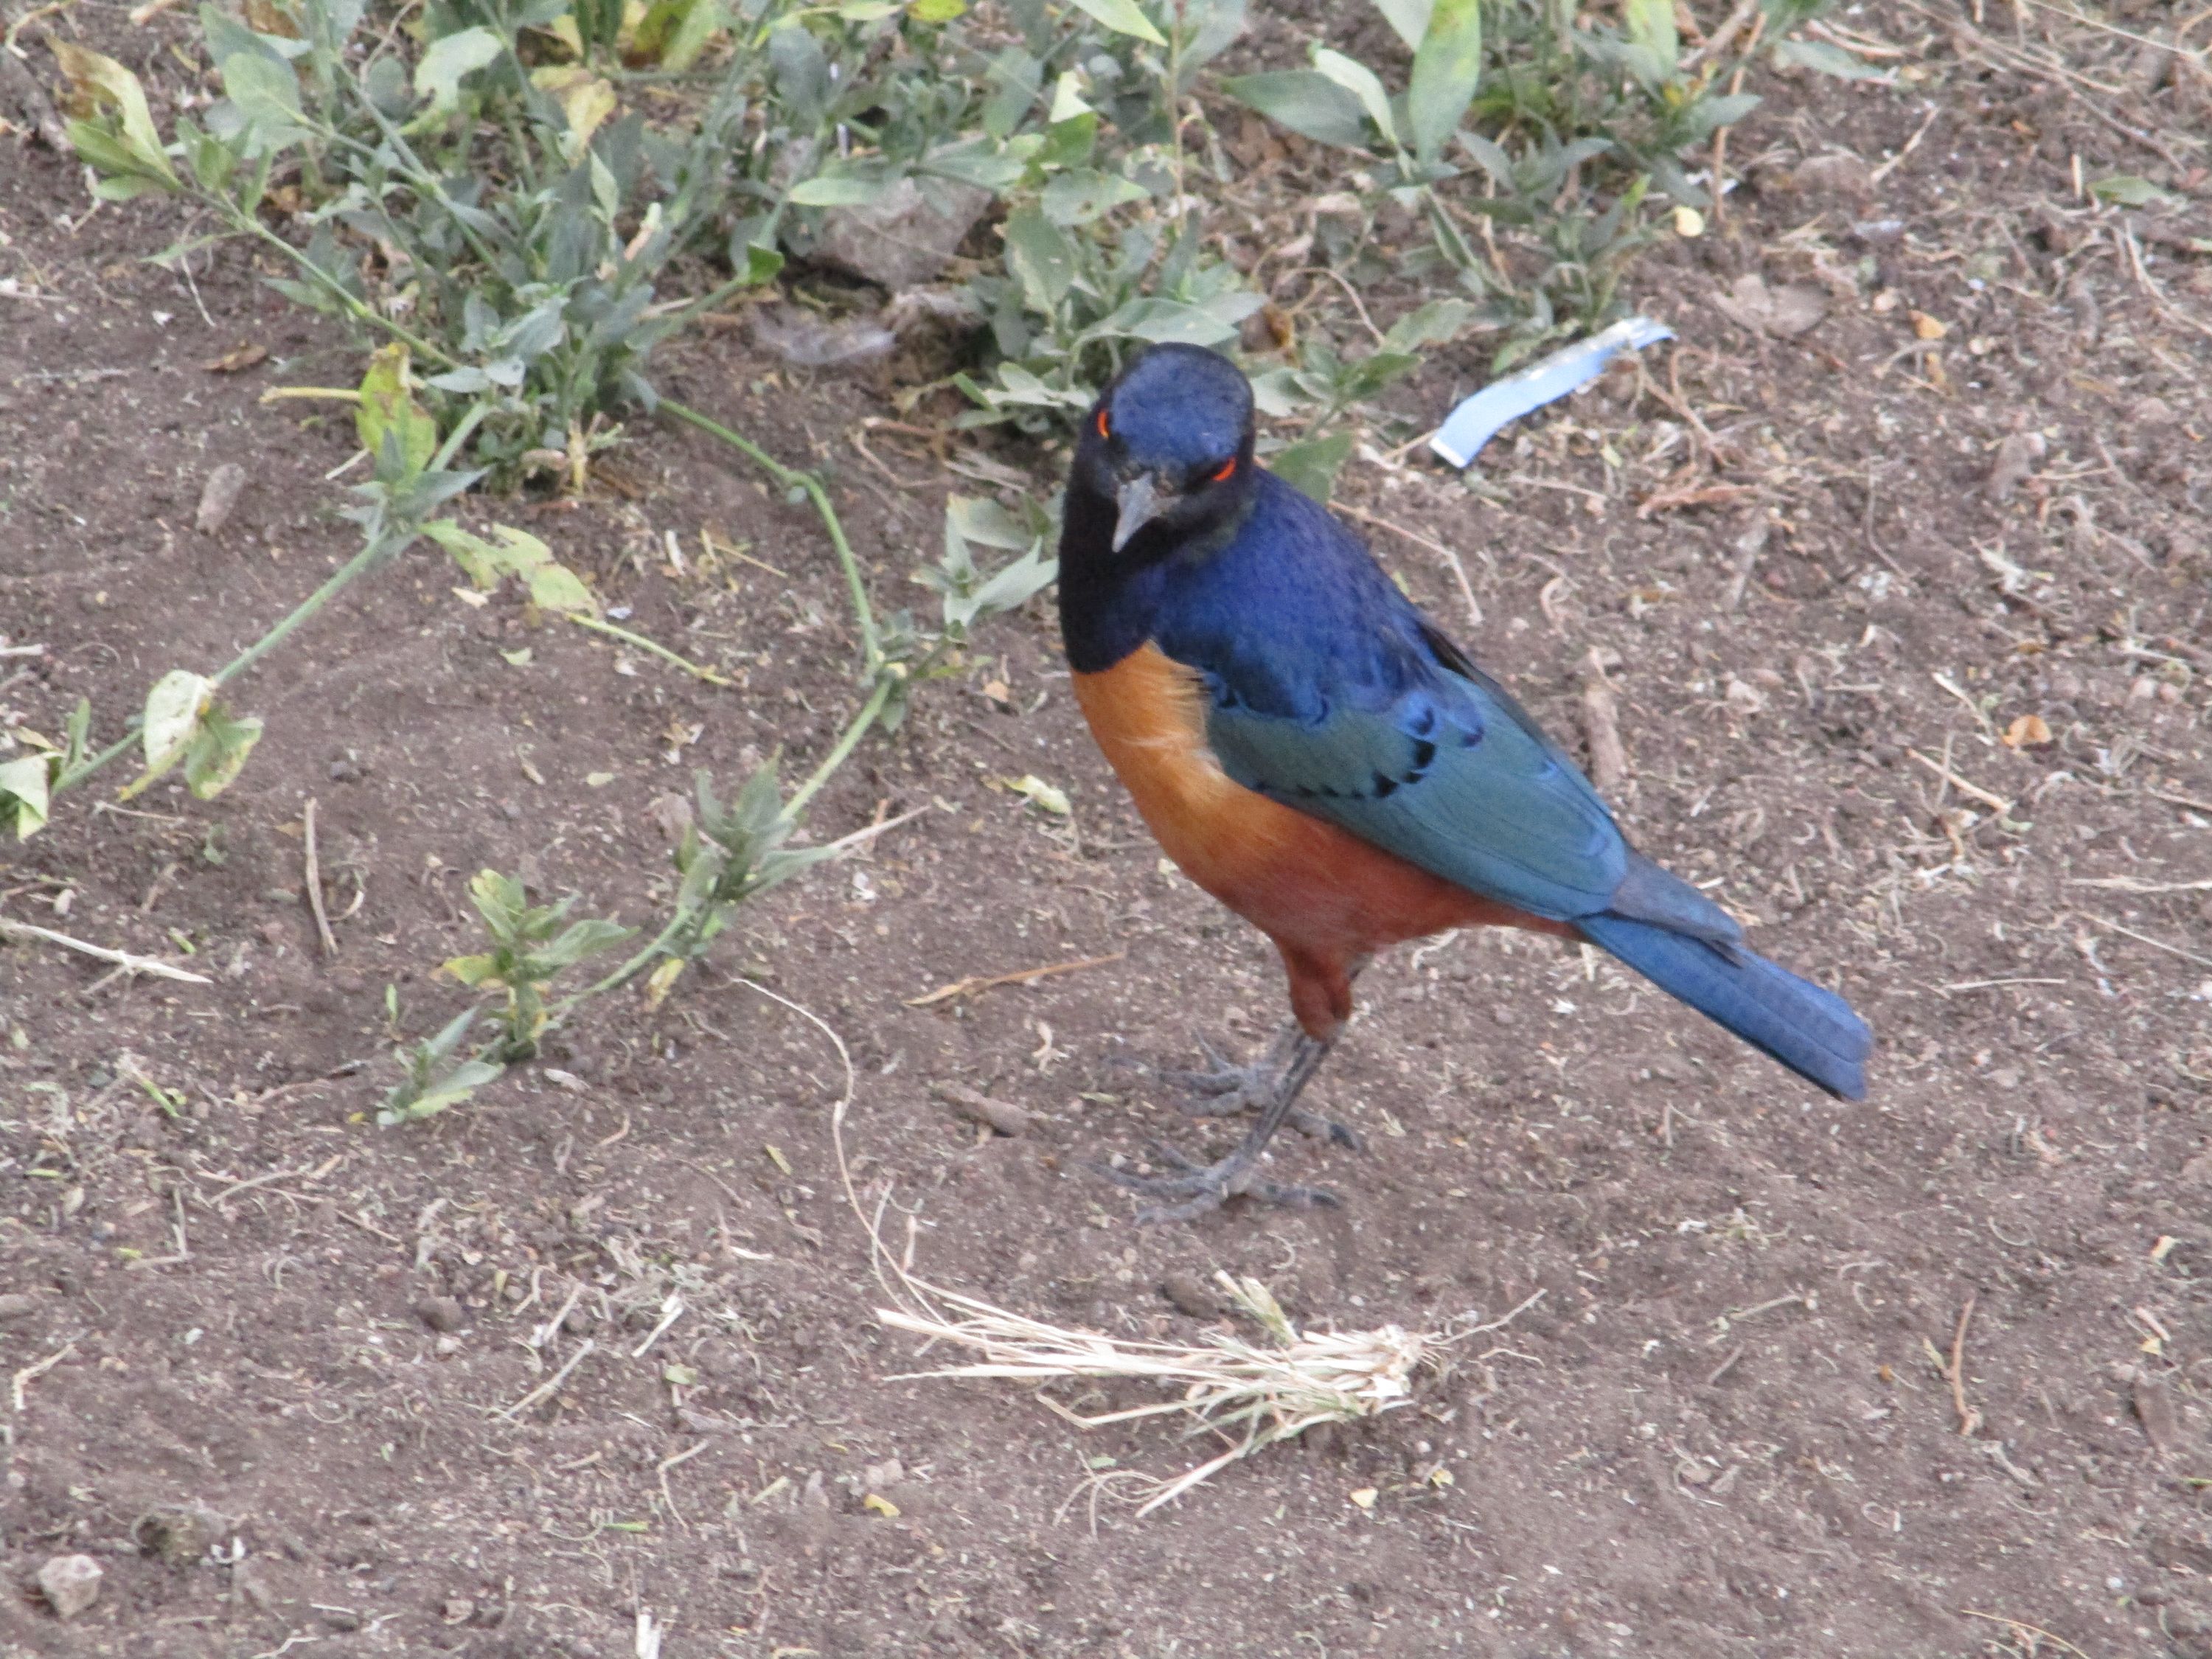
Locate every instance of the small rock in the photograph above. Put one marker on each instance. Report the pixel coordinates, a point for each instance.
(1002, 1116)
(346, 770)
(2150, 412)
(2155, 1411)
(456, 1609)
(1783, 313)
(1839, 174)
(2018, 457)
(441, 1313)
(1191, 1294)
(219, 498)
(906, 236)
(17, 1304)
(249, 1579)
(181, 1534)
(70, 1583)
(339, 1618)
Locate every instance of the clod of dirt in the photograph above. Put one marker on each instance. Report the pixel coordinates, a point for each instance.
(70, 1583)
(1784, 312)
(906, 236)
(2155, 1411)
(17, 1304)
(219, 498)
(2018, 457)
(441, 1313)
(1840, 174)
(181, 1534)
(1002, 1116)
(1191, 1294)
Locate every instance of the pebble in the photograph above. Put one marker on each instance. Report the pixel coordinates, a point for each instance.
(219, 498)
(70, 1583)
(1190, 1293)
(441, 1313)
(17, 1304)
(181, 1534)
(1002, 1116)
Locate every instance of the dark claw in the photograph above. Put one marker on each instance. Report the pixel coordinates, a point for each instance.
(1207, 1186)
(1227, 1089)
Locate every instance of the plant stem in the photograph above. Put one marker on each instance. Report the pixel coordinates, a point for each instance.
(711, 676)
(354, 308)
(872, 647)
(794, 809)
(836, 757)
(377, 550)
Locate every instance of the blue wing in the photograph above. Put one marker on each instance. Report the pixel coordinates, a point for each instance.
(1332, 694)
(1447, 774)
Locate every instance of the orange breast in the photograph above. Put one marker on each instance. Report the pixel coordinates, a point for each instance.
(1328, 899)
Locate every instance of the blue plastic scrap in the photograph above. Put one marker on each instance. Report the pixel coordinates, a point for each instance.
(1479, 419)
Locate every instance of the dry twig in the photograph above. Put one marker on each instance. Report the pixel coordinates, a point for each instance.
(315, 887)
(123, 959)
(977, 983)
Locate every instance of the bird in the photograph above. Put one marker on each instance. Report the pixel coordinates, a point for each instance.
(1314, 751)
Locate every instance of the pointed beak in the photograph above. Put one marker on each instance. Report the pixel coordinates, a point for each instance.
(1137, 504)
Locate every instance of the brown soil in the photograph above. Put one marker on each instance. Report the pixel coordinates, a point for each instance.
(1722, 1429)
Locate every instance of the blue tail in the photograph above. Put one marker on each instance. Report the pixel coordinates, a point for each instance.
(1811, 1030)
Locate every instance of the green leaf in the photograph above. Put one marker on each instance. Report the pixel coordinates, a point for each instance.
(1409, 17)
(173, 707)
(1446, 67)
(1078, 196)
(388, 408)
(1652, 26)
(855, 188)
(218, 752)
(1306, 101)
(502, 903)
(450, 59)
(108, 85)
(24, 795)
(1040, 257)
(1356, 78)
(1123, 17)
(514, 553)
(1436, 323)
(471, 972)
(1312, 465)
(2128, 190)
(1818, 56)
(580, 940)
(267, 93)
(937, 11)
(412, 1100)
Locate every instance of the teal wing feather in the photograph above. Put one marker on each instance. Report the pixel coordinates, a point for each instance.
(1448, 772)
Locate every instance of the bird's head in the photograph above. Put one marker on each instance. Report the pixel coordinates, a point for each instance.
(1169, 444)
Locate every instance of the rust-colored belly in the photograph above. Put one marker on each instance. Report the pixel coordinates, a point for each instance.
(1326, 898)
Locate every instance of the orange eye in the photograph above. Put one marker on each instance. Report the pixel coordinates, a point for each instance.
(1228, 470)
(1102, 423)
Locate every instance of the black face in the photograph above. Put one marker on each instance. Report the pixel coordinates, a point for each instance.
(1169, 445)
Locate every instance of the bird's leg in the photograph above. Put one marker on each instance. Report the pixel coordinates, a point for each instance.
(1225, 1089)
(1204, 1186)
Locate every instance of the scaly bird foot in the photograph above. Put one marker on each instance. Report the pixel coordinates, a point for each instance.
(1204, 1186)
(1224, 1089)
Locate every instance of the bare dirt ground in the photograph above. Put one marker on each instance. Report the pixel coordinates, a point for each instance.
(1913, 611)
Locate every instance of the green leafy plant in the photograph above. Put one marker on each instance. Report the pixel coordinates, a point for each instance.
(529, 947)
(1536, 128)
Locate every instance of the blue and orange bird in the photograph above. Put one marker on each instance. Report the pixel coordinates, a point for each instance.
(1313, 752)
